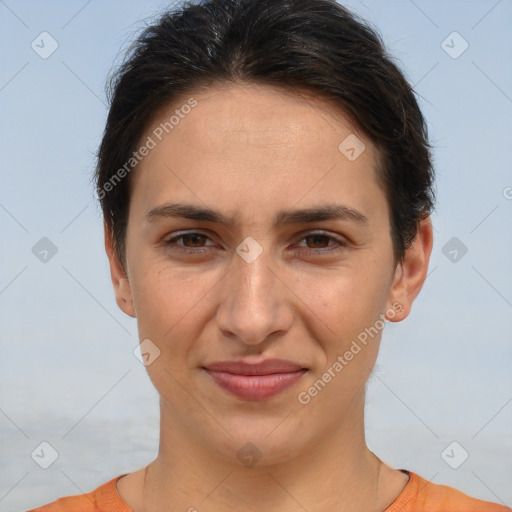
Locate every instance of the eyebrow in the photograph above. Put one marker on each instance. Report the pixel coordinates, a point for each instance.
(330, 211)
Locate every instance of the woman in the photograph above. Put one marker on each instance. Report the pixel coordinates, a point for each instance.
(266, 184)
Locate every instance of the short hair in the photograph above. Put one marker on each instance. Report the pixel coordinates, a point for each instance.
(313, 45)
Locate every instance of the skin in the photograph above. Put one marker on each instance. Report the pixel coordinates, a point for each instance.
(250, 151)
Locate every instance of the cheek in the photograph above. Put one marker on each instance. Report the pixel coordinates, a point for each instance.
(170, 305)
(165, 296)
(345, 301)
(350, 306)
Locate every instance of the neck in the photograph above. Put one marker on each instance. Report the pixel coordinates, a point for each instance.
(337, 471)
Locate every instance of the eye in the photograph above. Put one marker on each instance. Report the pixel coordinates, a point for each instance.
(320, 242)
(193, 243)
(317, 243)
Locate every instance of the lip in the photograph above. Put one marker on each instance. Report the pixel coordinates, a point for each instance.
(255, 381)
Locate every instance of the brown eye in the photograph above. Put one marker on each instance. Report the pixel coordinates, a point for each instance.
(318, 241)
(318, 244)
(192, 243)
(195, 239)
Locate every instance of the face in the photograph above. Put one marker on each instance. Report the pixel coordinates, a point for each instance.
(280, 250)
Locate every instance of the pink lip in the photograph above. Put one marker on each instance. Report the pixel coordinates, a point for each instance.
(255, 381)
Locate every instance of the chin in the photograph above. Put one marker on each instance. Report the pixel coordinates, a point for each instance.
(257, 442)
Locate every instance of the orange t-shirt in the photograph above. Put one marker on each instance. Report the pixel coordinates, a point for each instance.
(419, 495)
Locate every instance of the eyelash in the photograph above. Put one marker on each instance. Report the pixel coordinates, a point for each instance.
(200, 250)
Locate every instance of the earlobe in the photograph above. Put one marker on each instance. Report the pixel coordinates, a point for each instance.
(411, 273)
(124, 297)
(120, 282)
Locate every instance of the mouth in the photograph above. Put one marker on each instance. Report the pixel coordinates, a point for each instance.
(255, 381)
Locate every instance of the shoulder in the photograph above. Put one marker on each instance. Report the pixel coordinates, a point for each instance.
(420, 495)
(105, 498)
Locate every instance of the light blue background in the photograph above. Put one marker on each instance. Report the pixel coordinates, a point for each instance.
(67, 372)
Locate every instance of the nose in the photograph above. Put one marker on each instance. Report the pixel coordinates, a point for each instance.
(256, 302)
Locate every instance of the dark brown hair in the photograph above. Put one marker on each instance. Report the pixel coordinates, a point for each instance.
(316, 45)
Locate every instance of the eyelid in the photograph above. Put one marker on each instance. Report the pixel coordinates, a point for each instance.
(340, 241)
(169, 241)
(179, 234)
(328, 234)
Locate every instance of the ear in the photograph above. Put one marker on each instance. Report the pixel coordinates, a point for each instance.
(118, 275)
(411, 273)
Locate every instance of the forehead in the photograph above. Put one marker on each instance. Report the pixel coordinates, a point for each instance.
(261, 116)
(247, 143)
